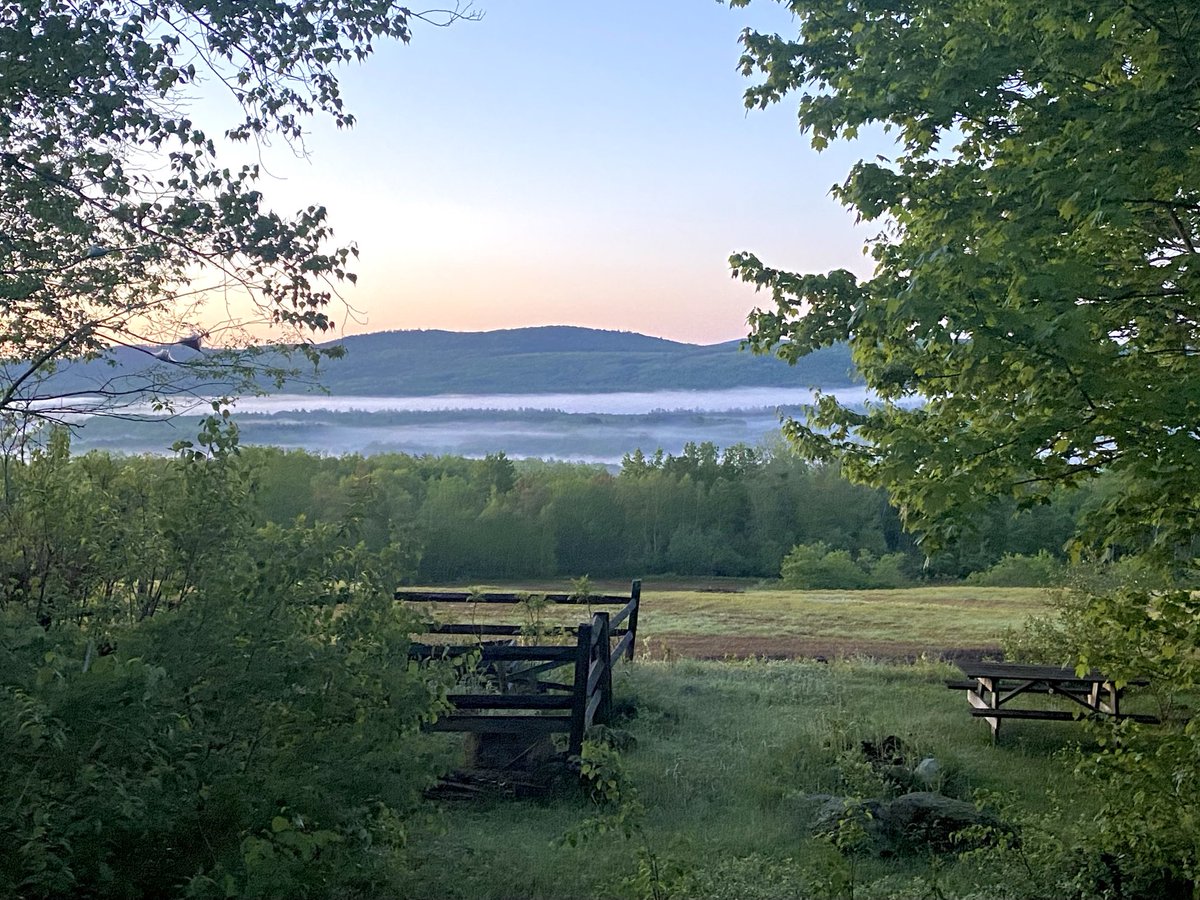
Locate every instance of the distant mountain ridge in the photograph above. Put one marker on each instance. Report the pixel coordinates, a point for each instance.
(537, 360)
(531, 339)
(563, 358)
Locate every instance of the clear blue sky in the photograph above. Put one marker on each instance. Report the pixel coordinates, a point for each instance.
(562, 162)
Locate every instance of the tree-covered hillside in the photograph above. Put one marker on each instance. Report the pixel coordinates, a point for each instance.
(522, 360)
(560, 358)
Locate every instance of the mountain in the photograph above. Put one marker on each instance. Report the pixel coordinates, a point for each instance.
(540, 360)
(560, 358)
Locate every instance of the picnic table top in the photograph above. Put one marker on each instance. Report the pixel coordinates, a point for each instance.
(1029, 673)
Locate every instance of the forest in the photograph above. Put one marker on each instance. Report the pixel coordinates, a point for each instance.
(707, 512)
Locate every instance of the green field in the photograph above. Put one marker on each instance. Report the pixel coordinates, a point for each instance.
(888, 624)
(731, 621)
(725, 751)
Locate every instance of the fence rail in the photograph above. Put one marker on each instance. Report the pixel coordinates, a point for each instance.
(523, 703)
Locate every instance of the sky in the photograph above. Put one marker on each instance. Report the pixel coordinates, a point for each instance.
(562, 162)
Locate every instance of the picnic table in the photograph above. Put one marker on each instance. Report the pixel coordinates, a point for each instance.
(992, 687)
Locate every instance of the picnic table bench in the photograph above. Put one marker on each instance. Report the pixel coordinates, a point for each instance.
(991, 688)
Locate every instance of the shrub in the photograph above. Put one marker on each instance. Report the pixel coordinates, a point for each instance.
(1018, 570)
(889, 571)
(1147, 776)
(256, 734)
(817, 567)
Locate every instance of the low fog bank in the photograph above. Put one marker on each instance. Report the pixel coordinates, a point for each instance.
(543, 434)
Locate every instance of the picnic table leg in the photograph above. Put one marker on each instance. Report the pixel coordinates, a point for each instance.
(994, 702)
(985, 695)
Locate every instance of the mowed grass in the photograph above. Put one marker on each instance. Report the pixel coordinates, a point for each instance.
(786, 623)
(932, 617)
(725, 755)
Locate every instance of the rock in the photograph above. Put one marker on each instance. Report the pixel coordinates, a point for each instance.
(917, 822)
(854, 824)
(925, 819)
(809, 805)
(928, 770)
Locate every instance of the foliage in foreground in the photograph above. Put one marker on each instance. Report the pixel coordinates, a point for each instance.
(1036, 288)
(230, 714)
(1049, 322)
(1151, 813)
(119, 211)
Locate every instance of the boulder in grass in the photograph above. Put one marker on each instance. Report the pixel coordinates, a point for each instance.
(924, 819)
(853, 824)
(928, 770)
(916, 822)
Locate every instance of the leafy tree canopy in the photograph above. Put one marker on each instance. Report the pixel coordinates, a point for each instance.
(1037, 277)
(118, 219)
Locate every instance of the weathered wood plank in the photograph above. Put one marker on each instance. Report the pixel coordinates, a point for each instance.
(1056, 715)
(538, 669)
(579, 719)
(510, 701)
(515, 630)
(593, 705)
(539, 654)
(502, 724)
(622, 614)
(635, 594)
(962, 684)
(494, 653)
(415, 596)
(603, 713)
(596, 672)
(977, 701)
(621, 649)
(1020, 671)
(507, 630)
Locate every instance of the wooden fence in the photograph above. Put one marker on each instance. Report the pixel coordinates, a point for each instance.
(536, 689)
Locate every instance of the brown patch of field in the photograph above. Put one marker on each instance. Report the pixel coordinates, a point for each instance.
(704, 646)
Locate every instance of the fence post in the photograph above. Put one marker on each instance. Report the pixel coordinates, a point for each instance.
(583, 658)
(635, 594)
(604, 644)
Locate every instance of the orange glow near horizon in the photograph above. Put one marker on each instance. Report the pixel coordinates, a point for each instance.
(546, 167)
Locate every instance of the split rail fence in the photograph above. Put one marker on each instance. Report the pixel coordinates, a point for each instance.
(534, 689)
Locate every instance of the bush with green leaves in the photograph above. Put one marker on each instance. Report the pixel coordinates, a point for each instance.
(255, 734)
(1019, 570)
(819, 567)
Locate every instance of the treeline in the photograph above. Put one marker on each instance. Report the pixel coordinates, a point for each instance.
(703, 512)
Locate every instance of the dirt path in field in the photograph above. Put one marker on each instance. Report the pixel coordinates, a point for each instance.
(698, 646)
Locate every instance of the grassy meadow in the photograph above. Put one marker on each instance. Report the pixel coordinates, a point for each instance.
(733, 619)
(882, 623)
(722, 753)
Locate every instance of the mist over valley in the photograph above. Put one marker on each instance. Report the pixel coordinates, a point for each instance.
(554, 393)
